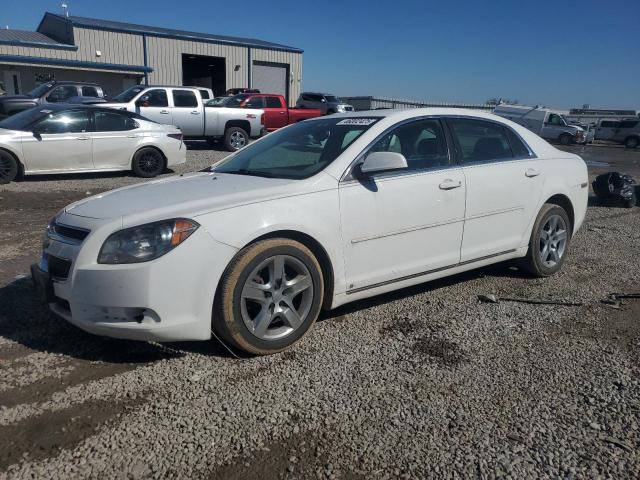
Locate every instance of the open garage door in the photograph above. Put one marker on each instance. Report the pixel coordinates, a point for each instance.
(271, 78)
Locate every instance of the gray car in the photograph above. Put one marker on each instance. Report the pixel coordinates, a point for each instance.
(626, 132)
(326, 102)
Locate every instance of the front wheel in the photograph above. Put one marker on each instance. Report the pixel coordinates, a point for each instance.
(565, 139)
(631, 142)
(269, 297)
(549, 241)
(8, 167)
(235, 138)
(147, 163)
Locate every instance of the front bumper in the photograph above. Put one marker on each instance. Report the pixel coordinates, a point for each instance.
(167, 299)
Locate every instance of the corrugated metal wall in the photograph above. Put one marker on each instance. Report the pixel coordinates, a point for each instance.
(118, 48)
(164, 55)
(39, 52)
(294, 60)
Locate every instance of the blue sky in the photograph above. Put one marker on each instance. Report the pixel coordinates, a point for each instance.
(559, 53)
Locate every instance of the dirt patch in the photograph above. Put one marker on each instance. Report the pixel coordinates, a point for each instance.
(82, 373)
(44, 436)
(302, 455)
(442, 351)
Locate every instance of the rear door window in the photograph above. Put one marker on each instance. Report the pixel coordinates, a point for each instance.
(89, 91)
(113, 122)
(184, 98)
(629, 124)
(480, 141)
(204, 94)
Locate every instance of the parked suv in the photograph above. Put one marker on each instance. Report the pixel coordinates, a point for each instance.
(626, 132)
(325, 102)
(50, 92)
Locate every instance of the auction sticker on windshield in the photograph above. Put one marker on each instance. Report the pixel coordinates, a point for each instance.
(358, 121)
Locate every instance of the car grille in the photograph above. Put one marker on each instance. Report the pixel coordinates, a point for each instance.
(67, 234)
(59, 267)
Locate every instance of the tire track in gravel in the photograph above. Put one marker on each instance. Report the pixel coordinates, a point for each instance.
(44, 435)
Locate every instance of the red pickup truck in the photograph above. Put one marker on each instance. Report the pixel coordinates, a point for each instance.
(276, 112)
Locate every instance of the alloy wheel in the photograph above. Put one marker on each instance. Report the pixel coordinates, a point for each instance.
(277, 297)
(6, 167)
(553, 241)
(150, 162)
(237, 140)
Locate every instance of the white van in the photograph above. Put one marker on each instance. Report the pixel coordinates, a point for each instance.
(548, 123)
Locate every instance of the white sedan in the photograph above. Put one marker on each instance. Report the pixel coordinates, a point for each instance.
(78, 138)
(313, 216)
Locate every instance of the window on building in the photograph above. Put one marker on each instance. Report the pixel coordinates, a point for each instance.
(273, 102)
(480, 140)
(64, 122)
(62, 93)
(89, 91)
(184, 98)
(113, 122)
(422, 143)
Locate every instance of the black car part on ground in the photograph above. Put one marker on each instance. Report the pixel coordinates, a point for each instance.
(615, 188)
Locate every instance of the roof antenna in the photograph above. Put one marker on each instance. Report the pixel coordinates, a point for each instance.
(65, 9)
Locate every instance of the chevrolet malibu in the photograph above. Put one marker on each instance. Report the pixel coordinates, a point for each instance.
(318, 214)
(76, 139)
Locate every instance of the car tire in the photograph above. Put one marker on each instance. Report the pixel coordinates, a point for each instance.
(9, 167)
(565, 139)
(235, 138)
(549, 242)
(632, 142)
(148, 163)
(269, 296)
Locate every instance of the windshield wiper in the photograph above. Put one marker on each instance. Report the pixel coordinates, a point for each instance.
(253, 173)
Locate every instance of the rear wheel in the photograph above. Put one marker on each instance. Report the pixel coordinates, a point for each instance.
(631, 142)
(269, 297)
(235, 138)
(549, 241)
(9, 168)
(565, 139)
(147, 163)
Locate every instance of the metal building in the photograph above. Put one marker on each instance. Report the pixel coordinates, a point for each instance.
(117, 55)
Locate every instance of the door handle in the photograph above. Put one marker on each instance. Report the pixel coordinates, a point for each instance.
(282, 113)
(164, 112)
(82, 138)
(532, 172)
(195, 112)
(449, 184)
(132, 136)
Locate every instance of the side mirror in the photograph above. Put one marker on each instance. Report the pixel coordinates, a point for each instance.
(381, 162)
(37, 134)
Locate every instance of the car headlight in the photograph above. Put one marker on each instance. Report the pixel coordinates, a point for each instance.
(146, 242)
(340, 108)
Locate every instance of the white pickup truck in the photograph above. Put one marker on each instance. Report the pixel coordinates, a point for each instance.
(184, 108)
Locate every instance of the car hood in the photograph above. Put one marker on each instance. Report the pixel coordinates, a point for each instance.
(185, 195)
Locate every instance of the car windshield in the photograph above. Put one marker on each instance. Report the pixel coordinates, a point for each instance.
(331, 99)
(298, 151)
(40, 90)
(23, 120)
(128, 94)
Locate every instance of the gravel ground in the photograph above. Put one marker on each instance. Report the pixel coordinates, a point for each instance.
(424, 382)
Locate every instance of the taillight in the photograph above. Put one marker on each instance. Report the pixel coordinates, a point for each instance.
(177, 136)
(262, 119)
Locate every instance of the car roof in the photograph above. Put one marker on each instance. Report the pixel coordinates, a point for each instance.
(70, 82)
(58, 107)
